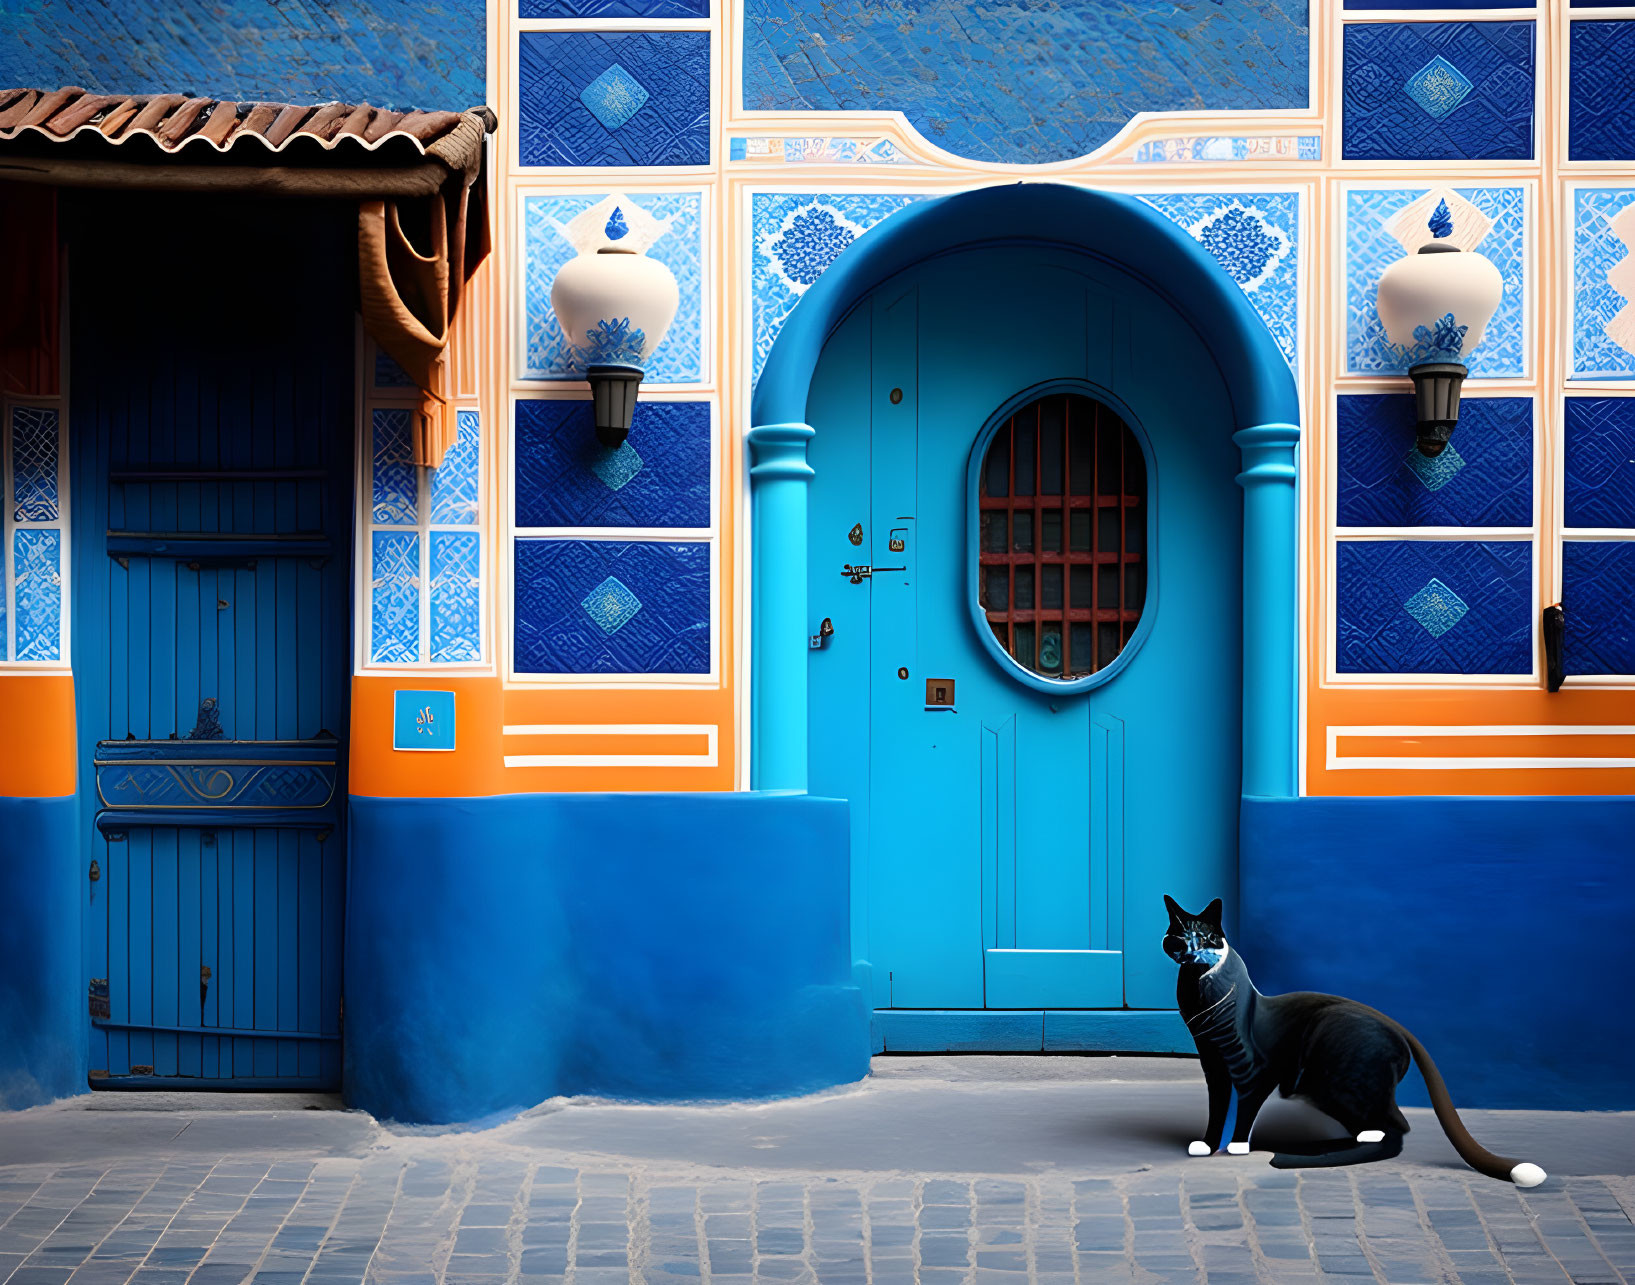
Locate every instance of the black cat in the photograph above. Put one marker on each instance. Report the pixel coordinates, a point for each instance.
(1341, 1056)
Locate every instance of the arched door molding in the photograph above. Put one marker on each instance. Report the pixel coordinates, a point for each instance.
(1114, 229)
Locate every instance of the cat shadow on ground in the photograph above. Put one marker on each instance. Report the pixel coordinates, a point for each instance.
(1282, 1121)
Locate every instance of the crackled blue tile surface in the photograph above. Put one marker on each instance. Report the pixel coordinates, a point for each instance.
(613, 9)
(679, 358)
(1483, 478)
(1599, 479)
(456, 596)
(1601, 108)
(1598, 598)
(394, 597)
(1429, 91)
(612, 607)
(396, 483)
(456, 481)
(1603, 315)
(575, 109)
(1434, 607)
(1370, 248)
(36, 572)
(1014, 80)
(660, 477)
(1254, 236)
(34, 463)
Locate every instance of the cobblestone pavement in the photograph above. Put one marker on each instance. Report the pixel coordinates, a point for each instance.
(483, 1207)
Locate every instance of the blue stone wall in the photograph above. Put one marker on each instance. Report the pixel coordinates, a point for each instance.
(1495, 929)
(501, 951)
(390, 53)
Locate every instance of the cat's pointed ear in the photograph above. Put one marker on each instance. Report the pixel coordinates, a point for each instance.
(1175, 912)
(1212, 912)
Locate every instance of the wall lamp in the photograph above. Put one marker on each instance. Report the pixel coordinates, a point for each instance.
(1435, 306)
(614, 305)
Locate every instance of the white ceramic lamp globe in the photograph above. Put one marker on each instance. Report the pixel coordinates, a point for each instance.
(614, 305)
(1436, 305)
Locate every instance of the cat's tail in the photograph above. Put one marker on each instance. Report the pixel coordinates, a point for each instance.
(1470, 1151)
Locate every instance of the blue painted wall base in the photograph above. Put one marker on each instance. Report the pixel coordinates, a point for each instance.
(1126, 1030)
(1496, 929)
(42, 991)
(501, 951)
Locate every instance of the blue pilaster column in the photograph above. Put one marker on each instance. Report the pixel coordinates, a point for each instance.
(779, 476)
(1270, 607)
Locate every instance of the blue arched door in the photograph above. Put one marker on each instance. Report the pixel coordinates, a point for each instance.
(1012, 831)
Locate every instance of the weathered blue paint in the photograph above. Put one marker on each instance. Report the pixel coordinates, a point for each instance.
(962, 1031)
(219, 648)
(42, 989)
(995, 841)
(504, 950)
(391, 53)
(1496, 929)
(1018, 81)
(1129, 234)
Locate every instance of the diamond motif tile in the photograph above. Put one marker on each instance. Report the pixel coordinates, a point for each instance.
(590, 98)
(1432, 91)
(660, 477)
(655, 595)
(1602, 303)
(34, 463)
(396, 485)
(613, 8)
(616, 468)
(1438, 86)
(456, 596)
(614, 96)
(1599, 485)
(454, 482)
(1434, 471)
(1436, 607)
(394, 585)
(1598, 596)
(1601, 113)
(611, 605)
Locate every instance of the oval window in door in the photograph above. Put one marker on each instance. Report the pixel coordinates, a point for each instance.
(1061, 492)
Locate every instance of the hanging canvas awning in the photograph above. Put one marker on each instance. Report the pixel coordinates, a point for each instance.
(417, 178)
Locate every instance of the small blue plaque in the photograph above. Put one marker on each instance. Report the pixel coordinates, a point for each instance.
(422, 720)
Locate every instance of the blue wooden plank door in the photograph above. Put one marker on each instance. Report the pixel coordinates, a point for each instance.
(1010, 844)
(212, 443)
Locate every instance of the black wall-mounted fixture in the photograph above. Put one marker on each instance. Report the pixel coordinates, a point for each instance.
(1555, 629)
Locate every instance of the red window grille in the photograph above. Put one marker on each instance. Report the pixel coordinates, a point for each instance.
(1062, 573)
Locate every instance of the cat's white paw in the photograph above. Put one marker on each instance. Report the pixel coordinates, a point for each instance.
(1371, 1135)
(1197, 1148)
(1527, 1175)
(1237, 1148)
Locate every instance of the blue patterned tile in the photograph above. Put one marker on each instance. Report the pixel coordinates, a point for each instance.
(1598, 599)
(1023, 81)
(36, 570)
(34, 463)
(394, 597)
(1603, 314)
(785, 261)
(1599, 476)
(1371, 248)
(1434, 607)
(455, 482)
(666, 123)
(388, 374)
(679, 358)
(1254, 236)
(396, 482)
(1484, 478)
(608, 607)
(1601, 110)
(456, 596)
(613, 9)
(1433, 91)
(566, 478)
